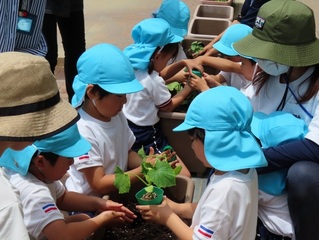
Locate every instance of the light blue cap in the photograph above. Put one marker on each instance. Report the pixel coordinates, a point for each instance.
(277, 128)
(149, 34)
(272, 130)
(232, 34)
(226, 117)
(68, 143)
(105, 65)
(177, 14)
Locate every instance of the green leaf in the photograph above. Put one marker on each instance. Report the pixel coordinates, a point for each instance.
(149, 188)
(122, 181)
(162, 175)
(141, 153)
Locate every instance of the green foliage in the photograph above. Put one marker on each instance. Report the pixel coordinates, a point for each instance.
(196, 47)
(161, 174)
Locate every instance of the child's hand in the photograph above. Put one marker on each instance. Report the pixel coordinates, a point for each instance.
(191, 64)
(211, 82)
(156, 213)
(112, 217)
(198, 83)
(118, 207)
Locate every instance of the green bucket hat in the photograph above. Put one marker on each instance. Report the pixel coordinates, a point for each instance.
(285, 33)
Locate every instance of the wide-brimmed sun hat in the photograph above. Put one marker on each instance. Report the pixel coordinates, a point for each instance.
(272, 130)
(148, 35)
(30, 103)
(229, 145)
(232, 34)
(104, 65)
(285, 33)
(68, 143)
(177, 14)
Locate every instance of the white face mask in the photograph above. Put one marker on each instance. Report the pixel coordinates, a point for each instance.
(272, 68)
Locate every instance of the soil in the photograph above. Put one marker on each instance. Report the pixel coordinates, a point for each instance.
(139, 229)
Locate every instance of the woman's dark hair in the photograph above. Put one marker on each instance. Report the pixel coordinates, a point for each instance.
(168, 48)
(197, 133)
(101, 92)
(313, 87)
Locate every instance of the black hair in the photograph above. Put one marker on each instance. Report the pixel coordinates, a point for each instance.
(197, 133)
(49, 156)
(101, 92)
(168, 48)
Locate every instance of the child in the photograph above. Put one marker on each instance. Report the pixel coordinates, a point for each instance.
(177, 14)
(21, 124)
(105, 76)
(43, 196)
(231, 72)
(272, 130)
(154, 46)
(221, 139)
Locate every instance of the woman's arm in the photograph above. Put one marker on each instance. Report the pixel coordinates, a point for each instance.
(283, 156)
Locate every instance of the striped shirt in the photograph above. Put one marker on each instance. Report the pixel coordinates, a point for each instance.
(10, 39)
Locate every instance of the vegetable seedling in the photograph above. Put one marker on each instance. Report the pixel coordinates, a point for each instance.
(160, 174)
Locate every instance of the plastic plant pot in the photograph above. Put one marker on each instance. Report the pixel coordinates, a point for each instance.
(156, 201)
(168, 147)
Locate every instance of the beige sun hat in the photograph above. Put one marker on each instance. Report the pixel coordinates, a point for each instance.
(30, 103)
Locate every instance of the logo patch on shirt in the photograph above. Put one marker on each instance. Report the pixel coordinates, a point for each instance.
(49, 208)
(205, 231)
(84, 157)
(259, 23)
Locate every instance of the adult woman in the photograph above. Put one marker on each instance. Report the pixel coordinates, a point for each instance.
(286, 48)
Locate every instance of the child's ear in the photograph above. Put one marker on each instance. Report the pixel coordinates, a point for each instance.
(40, 161)
(89, 92)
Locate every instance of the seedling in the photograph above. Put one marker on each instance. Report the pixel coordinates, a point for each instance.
(195, 48)
(160, 174)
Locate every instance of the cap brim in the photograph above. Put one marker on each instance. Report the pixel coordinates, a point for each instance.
(123, 88)
(183, 127)
(223, 49)
(79, 148)
(291, 55)
(38, 125)
(180, 32)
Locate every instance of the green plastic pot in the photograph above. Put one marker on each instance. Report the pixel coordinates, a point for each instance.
(168, 147)
(156, 201)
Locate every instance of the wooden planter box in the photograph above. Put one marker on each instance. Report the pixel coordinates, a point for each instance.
(207, 27)
(180, 141)
(214, 11)
(214, 2)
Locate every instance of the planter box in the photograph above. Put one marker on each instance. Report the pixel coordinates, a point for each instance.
(214, 11)
(180, 141)
(207, 27)
(216, 2)
(186, 43)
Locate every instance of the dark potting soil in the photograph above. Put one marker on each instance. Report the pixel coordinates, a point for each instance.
(139, 229)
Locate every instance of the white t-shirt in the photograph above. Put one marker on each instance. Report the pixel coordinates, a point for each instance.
(111, 142)
(142, 107)
(38, 202)
(11, 214)
(235, 80)
(274, 213)
(228, 207)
